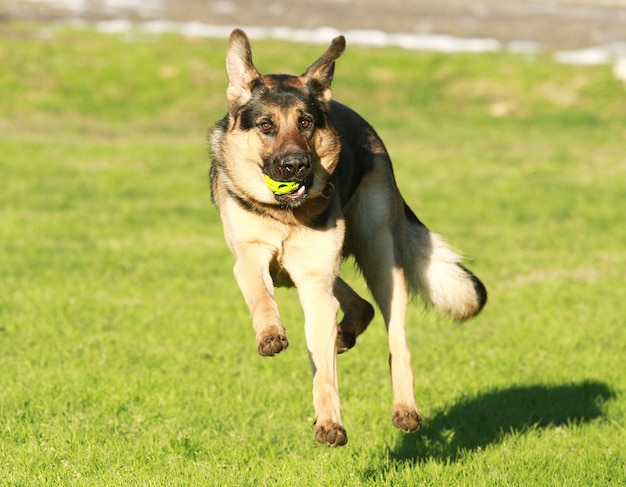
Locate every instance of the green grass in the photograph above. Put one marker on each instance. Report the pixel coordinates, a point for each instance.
(127, 356)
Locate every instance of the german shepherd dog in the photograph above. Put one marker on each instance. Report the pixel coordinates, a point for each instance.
(302, 182)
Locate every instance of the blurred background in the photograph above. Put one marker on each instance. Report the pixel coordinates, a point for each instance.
(554, 24)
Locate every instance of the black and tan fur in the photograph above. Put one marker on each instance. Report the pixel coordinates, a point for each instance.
(289, 128)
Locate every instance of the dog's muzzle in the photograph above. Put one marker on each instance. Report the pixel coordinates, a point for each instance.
(291, 166)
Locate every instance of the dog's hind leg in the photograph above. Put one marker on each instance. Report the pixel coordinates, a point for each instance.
(388, 285)
(378, 233)
(357, 315)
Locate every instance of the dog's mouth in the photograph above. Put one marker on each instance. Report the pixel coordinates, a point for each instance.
(293, 200)
(290, 193)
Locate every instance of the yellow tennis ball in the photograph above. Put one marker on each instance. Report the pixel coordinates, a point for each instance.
(281, 187)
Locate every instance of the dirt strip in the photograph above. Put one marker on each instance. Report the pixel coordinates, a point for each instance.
(559, 24)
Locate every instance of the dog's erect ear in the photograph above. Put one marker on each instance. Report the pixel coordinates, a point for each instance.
(321, 71)
(241, 72)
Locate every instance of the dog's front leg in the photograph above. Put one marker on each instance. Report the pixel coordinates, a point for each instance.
(315, 280)
(254, 279)
(320, 324)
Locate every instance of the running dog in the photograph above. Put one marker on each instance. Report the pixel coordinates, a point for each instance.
(301, 183)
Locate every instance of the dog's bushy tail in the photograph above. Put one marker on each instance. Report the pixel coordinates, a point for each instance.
(434, 271)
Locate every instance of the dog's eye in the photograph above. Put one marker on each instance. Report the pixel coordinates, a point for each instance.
(266, 126)
(305, 123)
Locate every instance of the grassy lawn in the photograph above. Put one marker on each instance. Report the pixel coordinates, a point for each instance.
(127, 355)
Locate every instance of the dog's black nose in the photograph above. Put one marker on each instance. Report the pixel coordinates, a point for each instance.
(292, 165)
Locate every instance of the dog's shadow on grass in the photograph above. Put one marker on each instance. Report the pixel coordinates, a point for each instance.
(474, 423)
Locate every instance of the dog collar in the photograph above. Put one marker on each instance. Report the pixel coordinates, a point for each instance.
(328, 191)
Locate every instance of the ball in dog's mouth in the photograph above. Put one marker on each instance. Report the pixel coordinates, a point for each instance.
(281, 188)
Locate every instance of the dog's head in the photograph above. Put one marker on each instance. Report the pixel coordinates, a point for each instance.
(278, 132)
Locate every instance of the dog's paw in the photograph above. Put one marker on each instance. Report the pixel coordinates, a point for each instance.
(355, 321)
(406, 419)
(271, 341)
(345, 341)
(331, 435)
